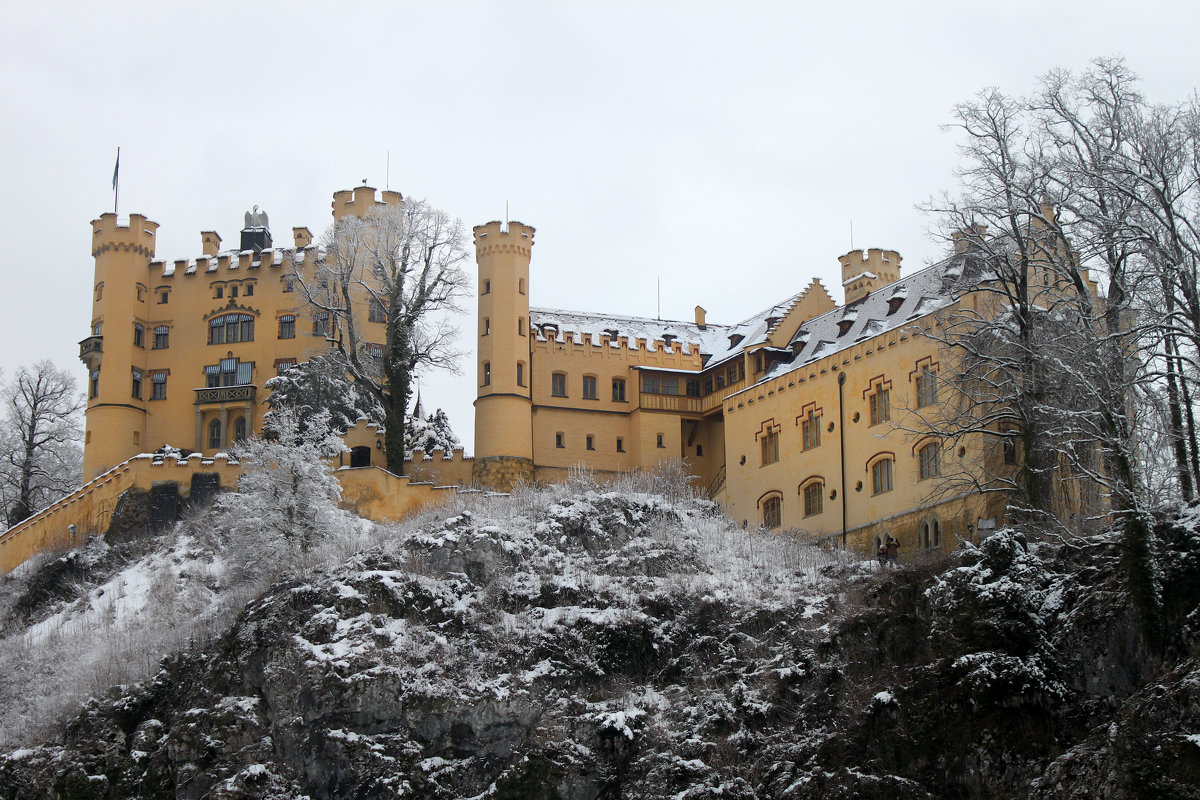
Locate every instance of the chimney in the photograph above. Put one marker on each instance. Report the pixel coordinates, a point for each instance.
(700, 312)
(210, 243)
(303, 237)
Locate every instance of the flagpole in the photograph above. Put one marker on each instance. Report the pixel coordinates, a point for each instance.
(117, 181)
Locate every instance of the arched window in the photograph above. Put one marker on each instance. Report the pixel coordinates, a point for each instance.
(931, 460)
(881, 476)
(814, 498)
(214, 435)
(239, 430)
(930, 534)
(231, 328)
(772, 511)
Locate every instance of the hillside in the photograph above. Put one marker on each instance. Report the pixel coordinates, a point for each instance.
(573, 643)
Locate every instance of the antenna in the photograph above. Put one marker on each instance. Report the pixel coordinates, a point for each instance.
(117, 180)
(387, 175)
(851, 234)
(659, 298)
(505, 215)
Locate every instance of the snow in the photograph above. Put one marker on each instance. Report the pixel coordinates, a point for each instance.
(885, 697)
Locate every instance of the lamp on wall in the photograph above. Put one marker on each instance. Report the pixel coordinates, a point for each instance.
(379, 444)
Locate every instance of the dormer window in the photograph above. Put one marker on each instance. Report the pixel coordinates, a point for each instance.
(735, 339)
(844, 326)
(894, 304)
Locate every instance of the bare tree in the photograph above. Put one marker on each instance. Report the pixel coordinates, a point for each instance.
(41, 435)
(1082, 180)
(404, 266)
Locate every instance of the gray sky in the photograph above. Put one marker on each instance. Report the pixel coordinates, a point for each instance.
(723, 147)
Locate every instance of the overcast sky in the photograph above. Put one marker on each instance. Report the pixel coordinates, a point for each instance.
(724, 148)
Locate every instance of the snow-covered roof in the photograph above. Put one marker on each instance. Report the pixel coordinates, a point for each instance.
(595, 327)
(209, 263)
(885, 309)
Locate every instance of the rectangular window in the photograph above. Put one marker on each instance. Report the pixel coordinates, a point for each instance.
(881, 409)
(375, 358)
(589, 388)
(287, 327)
(162, 337)
(620, 445)
(487, 287)
(163, 297)
(618, 390)
(881, 476)
(660, 441)
(926, 387)
(283, 366)
(289, 283)
(558, 441)
(558, 384)
(219, 292)
(158, 386)
(321, 323)
(520, 373)
(708, 385)
(137, 385)
(770, 447)
(591, 443)
(94, 383)
(375, 312)
(670, 384)
(693, 387)
(720, 380)
(139, 335)
(811, 430)
(650, 384)
(233, 291)
(249, 290)
(487, 373)
(699, 450)
(814, 499)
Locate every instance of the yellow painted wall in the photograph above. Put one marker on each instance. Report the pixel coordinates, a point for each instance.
(90, 508)
(131, 288)
(376, 494)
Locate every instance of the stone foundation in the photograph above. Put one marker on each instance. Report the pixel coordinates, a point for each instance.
(502, 473)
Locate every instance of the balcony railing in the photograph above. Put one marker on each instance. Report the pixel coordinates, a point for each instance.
(91, 346)
(226, 394)
(683, 404)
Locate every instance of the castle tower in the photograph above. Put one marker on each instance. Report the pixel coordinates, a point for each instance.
(115, 352)
(358, 201)
(503, 408)
(862, 272)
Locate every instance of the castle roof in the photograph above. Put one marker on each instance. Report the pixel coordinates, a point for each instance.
(884, 309)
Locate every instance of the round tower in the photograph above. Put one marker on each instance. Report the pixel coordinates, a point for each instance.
(115, 350)
(503, 406)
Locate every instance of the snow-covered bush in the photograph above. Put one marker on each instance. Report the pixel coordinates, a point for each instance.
(990, 616)
(287, 495)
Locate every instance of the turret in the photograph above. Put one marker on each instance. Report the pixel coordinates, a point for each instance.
(359, 200)
(862, 272)
(503, 407)
(115, 349)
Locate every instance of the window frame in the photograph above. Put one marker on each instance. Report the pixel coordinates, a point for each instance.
(591, 387)
(618, 390)
(769, 444)
(880, 404)
(929, 459)
(814, 498)
(883, 476)
(772, 511)
(558, 384)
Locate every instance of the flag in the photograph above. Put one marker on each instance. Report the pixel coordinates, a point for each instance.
(116, 169)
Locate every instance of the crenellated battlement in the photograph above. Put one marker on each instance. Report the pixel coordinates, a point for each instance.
(495, 237)
(233, 260)
(864, 271)
(358, 201)
(635, 350)
(137, 236)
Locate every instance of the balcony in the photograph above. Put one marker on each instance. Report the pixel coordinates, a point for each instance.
(683, 404)
(226, 394)
(90, 349)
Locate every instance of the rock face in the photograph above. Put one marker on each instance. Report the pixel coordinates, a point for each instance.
(609, 646)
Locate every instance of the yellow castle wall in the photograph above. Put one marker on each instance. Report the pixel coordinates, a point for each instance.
(132, 289)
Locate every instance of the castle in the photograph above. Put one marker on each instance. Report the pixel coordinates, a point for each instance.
(798, 418)
(793, 419)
